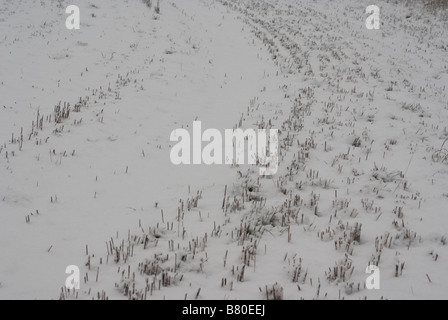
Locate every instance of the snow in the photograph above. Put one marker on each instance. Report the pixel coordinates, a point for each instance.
(361, 114)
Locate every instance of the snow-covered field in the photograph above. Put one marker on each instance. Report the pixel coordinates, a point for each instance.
(363, 171)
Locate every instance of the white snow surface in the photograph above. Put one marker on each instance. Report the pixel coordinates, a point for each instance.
(363, 173)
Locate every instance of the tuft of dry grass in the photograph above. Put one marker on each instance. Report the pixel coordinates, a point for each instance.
(437, 5)
(441, 155)
(150, 5)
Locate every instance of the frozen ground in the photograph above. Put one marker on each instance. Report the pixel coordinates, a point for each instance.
(362, 180)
